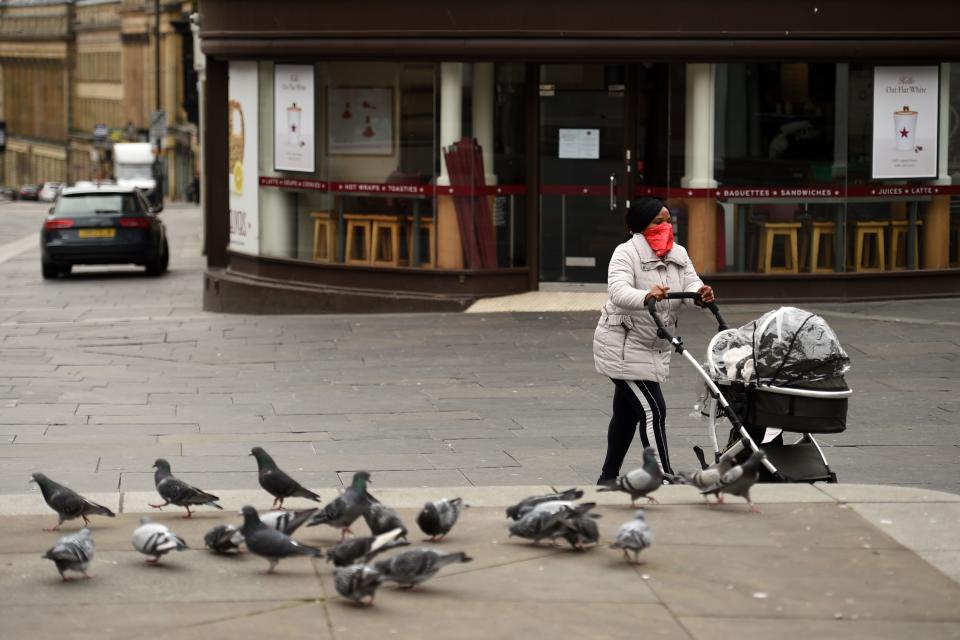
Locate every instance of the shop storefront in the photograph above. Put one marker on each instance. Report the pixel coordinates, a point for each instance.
(375, 159)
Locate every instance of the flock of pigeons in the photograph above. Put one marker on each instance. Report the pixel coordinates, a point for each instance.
(553, 517)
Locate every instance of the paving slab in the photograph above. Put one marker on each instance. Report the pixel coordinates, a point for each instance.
(756, 628)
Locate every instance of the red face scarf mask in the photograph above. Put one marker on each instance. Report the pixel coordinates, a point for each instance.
(660, 238)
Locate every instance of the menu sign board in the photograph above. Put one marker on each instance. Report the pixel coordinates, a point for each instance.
(906, 112)
(293, 124)
(242, 137)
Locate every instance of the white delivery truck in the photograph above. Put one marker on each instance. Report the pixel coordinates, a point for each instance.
(133, 166)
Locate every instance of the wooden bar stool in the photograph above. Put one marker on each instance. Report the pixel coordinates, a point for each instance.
(875, 259)
(357, 249)
(898, 231)
(427, 228)
(769, 232)
(324, 237)
(385, 239)
(820, 231)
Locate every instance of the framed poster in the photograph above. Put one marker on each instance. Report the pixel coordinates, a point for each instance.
(906, 121)
(360, 121)
(242, 137)
(293, 118)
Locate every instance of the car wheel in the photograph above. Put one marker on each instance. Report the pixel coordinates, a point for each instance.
(158, 265)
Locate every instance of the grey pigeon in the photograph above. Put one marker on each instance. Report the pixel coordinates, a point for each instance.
(287, 521)
(635, 535)
(68, 503)
(73, 552)
(521, 509)
(357, 582)
(641, 482)
(277, 483)
(352, 551)
(223, 538)
(703, 478)
(176, 491)
(343, 510)
(581, 526)
(559, 519)
(738, 480)
(154, 539)
(410, 568)
(437, 518)
(380, 519)
(270, 543)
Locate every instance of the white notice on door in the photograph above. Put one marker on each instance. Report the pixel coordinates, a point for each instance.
(583, 144)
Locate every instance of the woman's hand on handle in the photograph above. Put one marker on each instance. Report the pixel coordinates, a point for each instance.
(706, 295)
(657, 292)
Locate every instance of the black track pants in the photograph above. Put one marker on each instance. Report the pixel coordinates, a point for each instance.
(636, 401)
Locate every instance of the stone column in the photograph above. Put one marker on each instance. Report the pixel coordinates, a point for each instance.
(483, 102)
(698, 163)
(449, 248)
(936, 222)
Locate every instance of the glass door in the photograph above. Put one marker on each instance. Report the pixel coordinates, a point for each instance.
(585, 176)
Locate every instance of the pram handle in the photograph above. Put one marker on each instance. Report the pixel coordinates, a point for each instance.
(683, 295)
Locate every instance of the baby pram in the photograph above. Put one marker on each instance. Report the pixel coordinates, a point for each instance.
(780, 373)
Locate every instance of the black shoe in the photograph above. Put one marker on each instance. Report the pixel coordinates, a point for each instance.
(607, 481)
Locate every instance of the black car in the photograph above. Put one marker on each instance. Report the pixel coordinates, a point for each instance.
(29, 192)
(102, 225)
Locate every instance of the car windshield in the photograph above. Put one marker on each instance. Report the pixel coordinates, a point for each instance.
(94, 203)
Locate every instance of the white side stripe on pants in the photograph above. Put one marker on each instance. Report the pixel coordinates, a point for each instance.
(654, 427)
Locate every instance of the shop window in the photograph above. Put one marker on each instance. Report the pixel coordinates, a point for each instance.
(794, 169)
(378, 189)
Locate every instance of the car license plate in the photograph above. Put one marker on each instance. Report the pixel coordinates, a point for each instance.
(97, 233)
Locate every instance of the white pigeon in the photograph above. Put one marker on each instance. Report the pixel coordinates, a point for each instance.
(635, 535)
(155, 539)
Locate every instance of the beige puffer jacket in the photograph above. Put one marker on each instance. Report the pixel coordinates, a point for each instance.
(625, 344)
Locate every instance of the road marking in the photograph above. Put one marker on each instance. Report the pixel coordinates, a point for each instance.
(13, 249)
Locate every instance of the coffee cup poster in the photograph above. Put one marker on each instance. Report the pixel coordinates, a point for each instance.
(293, 118)
(242, 118)
(906, 110)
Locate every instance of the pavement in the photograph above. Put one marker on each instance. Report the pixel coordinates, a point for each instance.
(824, 561)
(105, 371)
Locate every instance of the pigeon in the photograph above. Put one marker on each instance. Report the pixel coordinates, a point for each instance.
(437, 518)
(739, 479)
(635, 535)
(380, 519)
(572, 522)
(344, 509)
(287, 521)
(73, 552)
(641, 482)
(155, 539)
(223, 538)
(351, 551)
(581, 526)
(521, 509)
(176, 491)
(703, 478)
(357, 582)
(410, 568)
(277, 483)
(68, 503)
(270, 543)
